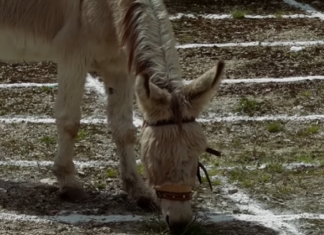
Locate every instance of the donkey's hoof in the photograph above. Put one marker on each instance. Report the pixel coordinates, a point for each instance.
(72, 194)
(147, 203)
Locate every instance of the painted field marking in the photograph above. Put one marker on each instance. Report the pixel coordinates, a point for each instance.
(245, 203)
(307, 8)
(98, 86)
(228, 16)
(75, 218)
(105, 163)
(252, 44)
(138, 122)
(78, 164)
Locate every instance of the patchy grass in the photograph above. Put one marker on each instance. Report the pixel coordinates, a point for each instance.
(278, 14)
(307, 93)
(275, 127)
(47, 89)
(313, 129)
(100, 185)
(82, 134)
(247, 106)
(112, 173)
(48, 140)
(275, 167)
(310, 158)
(238, 14)
(156, 225)
(249, 178)
(140, 169)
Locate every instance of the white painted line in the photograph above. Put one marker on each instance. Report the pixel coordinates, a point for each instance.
(91, 82)
(76, 218)
(296, 49)
(42, 120)
(26, 85)
(269, 80)
(294, 118)
(99, 86)
(139, 122)
(96, 85)
(252, 44)
(266, 217)
(228, 16)
(105, 163)
(307, 8)
(70, 219)
(80, 164)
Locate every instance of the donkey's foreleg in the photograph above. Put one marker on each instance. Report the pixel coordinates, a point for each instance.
(71, 80)
(119, 88)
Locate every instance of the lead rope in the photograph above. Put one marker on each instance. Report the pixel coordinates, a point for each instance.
(201, 166)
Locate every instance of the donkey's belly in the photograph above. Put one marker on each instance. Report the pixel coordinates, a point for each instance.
(17, 46)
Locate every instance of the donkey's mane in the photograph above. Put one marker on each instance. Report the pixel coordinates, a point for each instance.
(148, 36)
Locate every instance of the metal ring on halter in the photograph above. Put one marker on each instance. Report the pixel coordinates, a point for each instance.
(174, 192)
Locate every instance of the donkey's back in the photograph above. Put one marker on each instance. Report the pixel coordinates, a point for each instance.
(35, 30)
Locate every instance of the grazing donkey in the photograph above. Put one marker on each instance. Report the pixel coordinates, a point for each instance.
(132, 45)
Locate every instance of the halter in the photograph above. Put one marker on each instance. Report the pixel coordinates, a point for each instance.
(180, 192)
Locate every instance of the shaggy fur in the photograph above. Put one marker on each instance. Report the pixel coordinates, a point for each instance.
(120, 39)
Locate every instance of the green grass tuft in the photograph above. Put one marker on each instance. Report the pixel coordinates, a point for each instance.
(238, 14)
(275, 127)
(48, 140)
(247, 106)
(112, 173)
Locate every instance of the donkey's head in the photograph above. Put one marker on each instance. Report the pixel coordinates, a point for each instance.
(172, 140)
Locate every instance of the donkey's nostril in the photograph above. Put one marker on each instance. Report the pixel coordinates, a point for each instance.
(177, 227)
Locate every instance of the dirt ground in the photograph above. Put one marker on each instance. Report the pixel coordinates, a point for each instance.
(269, 178)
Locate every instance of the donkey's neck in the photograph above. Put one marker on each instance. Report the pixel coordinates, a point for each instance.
(149, 39)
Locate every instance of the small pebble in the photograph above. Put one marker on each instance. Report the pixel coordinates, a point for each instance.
(232, 191)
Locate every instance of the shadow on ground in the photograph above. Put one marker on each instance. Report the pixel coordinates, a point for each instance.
(43, 199)
(39, 199)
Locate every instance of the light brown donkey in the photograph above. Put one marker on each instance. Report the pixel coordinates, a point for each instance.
(125, 41)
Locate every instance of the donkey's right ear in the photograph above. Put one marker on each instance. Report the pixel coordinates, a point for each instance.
(149, 94)
(200, 91)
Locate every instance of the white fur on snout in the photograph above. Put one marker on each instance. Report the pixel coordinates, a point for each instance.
(178, 212)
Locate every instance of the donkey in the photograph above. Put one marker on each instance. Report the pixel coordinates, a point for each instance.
(132, 45)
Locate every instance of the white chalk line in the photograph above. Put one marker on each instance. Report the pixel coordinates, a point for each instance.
(251, 44)
(105, 163)
(228, 16)
(307, 8)
(41, 163)
(76, 218)
(138, 122)
(91, 82)
(266, 217)
(98, 86)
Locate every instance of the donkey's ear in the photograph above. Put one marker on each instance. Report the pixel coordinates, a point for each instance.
(150, 95)
(200, 91)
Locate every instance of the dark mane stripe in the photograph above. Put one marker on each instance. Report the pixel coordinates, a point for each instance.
(130, 37)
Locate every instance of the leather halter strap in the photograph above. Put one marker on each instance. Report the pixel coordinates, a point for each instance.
(166, 122)
(180, 192)
(174, 192)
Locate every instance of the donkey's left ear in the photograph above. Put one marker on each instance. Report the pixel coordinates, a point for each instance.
(200, 91)
(150, 95)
